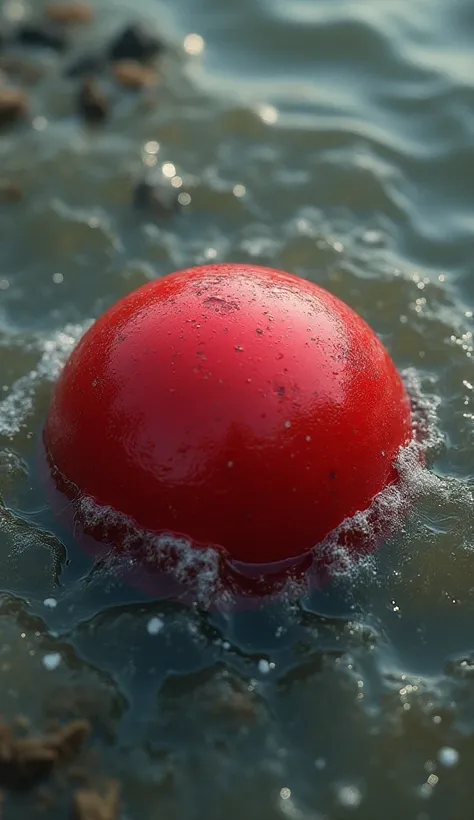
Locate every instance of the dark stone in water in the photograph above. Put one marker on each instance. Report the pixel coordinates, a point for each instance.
(13, 105)
(9, 191)
(92, 103)
(135, 43)
(40, 35)
(161, 201)
(84, 65)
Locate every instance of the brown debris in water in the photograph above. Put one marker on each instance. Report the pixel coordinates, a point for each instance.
(9, 191)
(90, 805)
(69, 739)
(72, 13)
(92, 102)
(132, 75)
(20, 69)
(236, 704)
(13, 105)
(26, 760)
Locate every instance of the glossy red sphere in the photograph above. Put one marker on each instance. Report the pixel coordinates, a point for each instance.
(242, 407)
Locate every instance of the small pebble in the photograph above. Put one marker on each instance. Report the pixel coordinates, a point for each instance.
(135, 43)
(132, 75)
(92, 103)
(448, 757)
(52, 661)
(40, 35)
(9, 191)
(13, 105)
(160, 200)
(86, 65)
(51, 603)
(69, 13)
(154, 626)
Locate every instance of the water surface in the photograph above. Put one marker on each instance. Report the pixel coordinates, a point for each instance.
(335, 140)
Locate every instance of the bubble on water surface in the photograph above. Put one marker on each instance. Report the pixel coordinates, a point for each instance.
(264, 666)
(155, 626)
(448, 757)
(51, 661)
(350, 797)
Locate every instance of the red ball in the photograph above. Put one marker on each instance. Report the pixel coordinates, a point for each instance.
(239, 406)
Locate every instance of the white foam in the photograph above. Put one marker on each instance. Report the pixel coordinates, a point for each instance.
(191, 567)
(19, 403)
(388, 509)
(424, 410)
(202, 567)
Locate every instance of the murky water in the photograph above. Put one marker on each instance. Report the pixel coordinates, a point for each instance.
(335, 140)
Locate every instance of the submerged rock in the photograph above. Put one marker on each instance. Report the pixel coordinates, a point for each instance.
(13, 105)
(92, 102)
(86, 64)
(9, 192)
(159, 200)
(131, 47)
(135, 43)
(40, 35)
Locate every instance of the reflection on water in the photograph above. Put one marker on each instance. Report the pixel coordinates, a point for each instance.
(333, 139)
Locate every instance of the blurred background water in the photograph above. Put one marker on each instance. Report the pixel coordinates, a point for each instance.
(333, 139)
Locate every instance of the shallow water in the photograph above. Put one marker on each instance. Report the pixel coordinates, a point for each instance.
(333, 139)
